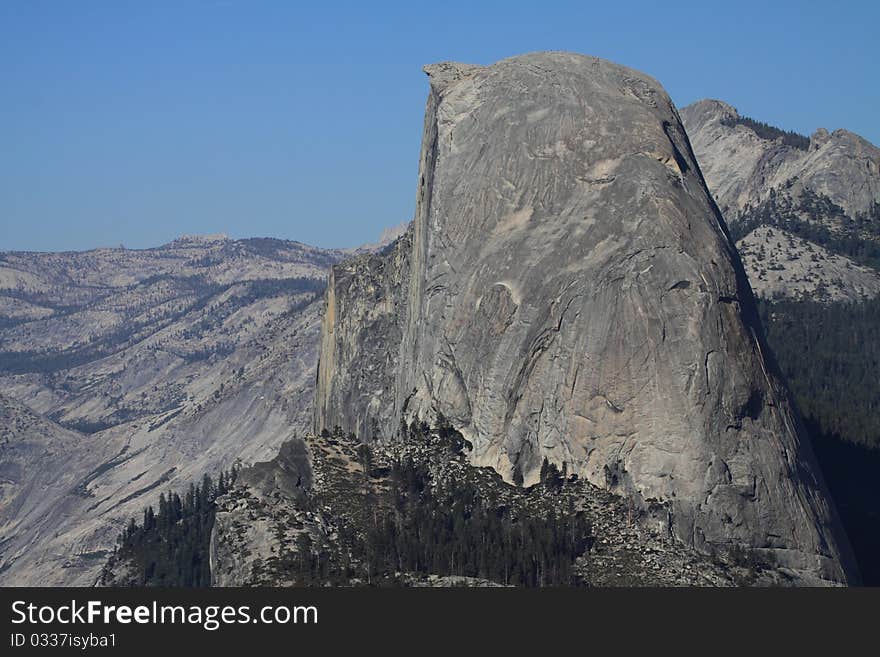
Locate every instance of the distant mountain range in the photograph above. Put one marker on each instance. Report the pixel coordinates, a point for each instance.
(127, 372)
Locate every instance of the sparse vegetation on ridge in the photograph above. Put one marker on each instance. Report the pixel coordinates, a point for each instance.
(816, 218)
(769, 132)
(414, 512)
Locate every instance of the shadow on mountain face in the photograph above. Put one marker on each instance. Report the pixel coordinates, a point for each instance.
(851, 474)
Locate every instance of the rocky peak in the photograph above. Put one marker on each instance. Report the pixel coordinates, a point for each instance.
(711, 110)
(446, 73)
(741, 168)
(819, 139)
(567, 292)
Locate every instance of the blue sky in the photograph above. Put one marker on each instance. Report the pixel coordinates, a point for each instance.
(134, 122)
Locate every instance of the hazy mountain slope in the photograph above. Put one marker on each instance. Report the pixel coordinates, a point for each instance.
(176, 361)
(45, 470)
(28, 443)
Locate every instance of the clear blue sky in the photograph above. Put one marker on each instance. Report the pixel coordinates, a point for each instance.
(133, 122)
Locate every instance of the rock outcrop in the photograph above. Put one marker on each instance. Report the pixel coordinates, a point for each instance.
(265, 509)
(362, 309)
(823, 193)
(317, 488)
(568, 291)
(741, 168)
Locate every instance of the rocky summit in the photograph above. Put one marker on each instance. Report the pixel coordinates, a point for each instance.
(568, 291)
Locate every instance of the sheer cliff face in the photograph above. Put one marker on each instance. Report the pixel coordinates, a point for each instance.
(570, 293)
(361, 334)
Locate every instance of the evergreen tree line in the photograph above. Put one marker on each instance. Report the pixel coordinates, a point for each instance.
(766, 131)
(453, 530)
(170, 546)
(448, 529)
(830, 355)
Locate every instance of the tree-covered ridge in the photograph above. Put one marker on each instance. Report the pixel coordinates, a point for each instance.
(412, 510)
(816, 218)
(411, 523)
(769, 132)
(453, 530)
(170, 547)
(398, 522)
(830, 355)
(447, 529)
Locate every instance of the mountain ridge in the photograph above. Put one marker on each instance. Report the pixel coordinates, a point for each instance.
(824, 190)
(741, 167)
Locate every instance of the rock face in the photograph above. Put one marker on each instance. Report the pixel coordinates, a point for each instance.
(741, 168)
(356, 385)
(268, 496)
(568, 291)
